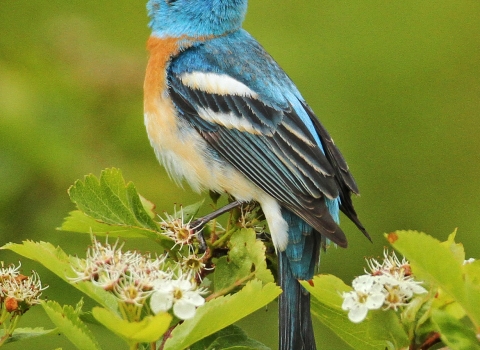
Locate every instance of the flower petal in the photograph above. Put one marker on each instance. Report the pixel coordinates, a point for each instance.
(358, 314)
(349, 300)
(375, 301)
(161, 302)
(195, 298)
(183, 309)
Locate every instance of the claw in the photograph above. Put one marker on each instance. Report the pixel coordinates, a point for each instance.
(197, 227)
(198, 224)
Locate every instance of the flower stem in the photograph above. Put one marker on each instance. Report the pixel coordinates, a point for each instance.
(221, 241)
(231, 287)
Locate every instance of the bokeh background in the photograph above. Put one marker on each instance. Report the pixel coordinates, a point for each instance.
(397, 84)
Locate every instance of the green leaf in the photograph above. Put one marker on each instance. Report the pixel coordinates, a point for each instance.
(380, 330)
(327, 289)
(455, 334)
(108, 204)
(57, 261)
(148, 206)
(109, 200)
(415, 316)
(441, 267)
(230, 338)
(472, 290)
(77, 221)
(222, 312)
(456, 248)
(68, 322)
(187, 212)
(27, 333)
(148, 330)
(245, 260)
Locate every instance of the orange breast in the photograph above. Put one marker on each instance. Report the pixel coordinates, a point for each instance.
(161, 51)
(177, 147)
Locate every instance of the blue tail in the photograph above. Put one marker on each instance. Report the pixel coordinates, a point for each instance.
(298, 261)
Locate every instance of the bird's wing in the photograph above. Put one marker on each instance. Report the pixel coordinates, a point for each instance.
(268, 139)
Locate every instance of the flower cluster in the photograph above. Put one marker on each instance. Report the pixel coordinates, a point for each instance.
(18, 292)
(133, 278)
(389, 284)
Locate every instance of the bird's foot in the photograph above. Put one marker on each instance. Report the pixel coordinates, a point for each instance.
(198, 224)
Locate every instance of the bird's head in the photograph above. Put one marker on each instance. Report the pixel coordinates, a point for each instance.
(195, 18)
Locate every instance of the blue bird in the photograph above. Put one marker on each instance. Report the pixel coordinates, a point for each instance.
(223, 116)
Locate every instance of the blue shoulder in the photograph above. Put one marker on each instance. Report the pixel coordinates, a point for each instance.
(241, 57)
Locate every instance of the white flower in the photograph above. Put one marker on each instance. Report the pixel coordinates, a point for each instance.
(131, 292)
(367, 295)
(389, 284)
(109, 277)
(399, 287)
(193, 265)
(410, 286)
(468, 261)
(19, 292)
(162, 298)
(182, 294)
(390, 265)
(10, 271)
(103, 265)
(175, 227)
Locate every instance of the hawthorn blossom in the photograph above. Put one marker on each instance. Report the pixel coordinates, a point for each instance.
(133, 278)
(367, 295)
(128, 275)
(178, 229)
(19, 292)
(389, 284)
(183, 295)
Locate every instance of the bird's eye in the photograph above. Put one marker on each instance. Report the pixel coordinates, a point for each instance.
(170, 2)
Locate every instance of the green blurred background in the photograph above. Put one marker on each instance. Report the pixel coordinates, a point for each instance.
(397, 84)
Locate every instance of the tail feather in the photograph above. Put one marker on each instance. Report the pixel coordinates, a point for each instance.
(296, 330)
(298, 261)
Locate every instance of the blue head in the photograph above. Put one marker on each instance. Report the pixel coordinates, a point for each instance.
(195, 18)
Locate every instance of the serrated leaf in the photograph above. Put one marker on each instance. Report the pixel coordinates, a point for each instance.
(456, 248)
(222, 312)
(230, 338)
(380, 330)
(110, 200)
(77, 221)
(113, 206)
(148, 330)
(246, 259)
(57, 261)
(68, 322)
(27, 333)
(454, 333)
(440, 267)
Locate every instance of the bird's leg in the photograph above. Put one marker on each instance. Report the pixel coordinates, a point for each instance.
(199, 223)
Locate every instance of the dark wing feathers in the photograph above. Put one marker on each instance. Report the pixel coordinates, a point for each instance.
(281, 156)
(343, 176)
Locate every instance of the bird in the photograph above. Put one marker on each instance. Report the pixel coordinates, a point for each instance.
(223, 116)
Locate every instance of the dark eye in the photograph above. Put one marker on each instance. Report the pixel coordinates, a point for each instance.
(170, 2)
